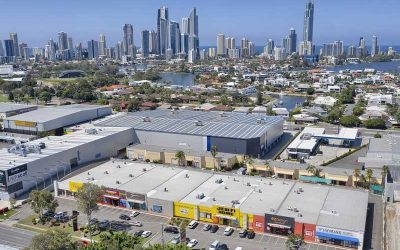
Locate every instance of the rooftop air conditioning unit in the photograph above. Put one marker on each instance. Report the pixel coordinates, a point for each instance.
(259, 121)
(92, 179)
(248, 184)
(118, 182)
(200, 196)
(299, 215)
(186, 175)
(214, 199)
(272, 210)
(226, 187)
(165, 189)
(198, 123)
(146, 119)
(118, 166)
(88, 173)
(105, 172)
(260, 191)
(222, 114)
(218, 181)
(144, 169)
(130, 175)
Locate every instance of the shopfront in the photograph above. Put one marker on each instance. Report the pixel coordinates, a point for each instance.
(226, 216)
(185, 210)
(135, 201)
(205, 214)
(281, 225)
(338, 237)
(111, 197)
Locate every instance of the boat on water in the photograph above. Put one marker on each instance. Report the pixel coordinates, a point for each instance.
(282, 94)
(280, 102)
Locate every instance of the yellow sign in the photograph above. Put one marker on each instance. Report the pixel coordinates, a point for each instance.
(184, 210)
(226, 211)
(25, 124)
(74, 186)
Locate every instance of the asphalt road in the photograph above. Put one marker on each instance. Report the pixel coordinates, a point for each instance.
(15, 237)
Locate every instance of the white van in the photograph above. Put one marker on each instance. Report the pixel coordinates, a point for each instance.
(214, 245)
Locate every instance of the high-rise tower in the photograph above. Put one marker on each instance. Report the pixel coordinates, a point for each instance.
(162, 30)
(309, 22)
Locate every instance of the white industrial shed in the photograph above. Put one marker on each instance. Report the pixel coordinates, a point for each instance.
(54, 119)
(24, 166)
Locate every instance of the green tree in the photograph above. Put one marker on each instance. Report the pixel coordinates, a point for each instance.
(249, 161)
(375, 123)
(224, 100)
(368, 174)
(134, 105)
(214, 152)
(294, 241)
(358, 110)
(357, 173)
(377, 135)
(384, 172)
(270, 111)
(259, 98)
(41, 201)
(314, 170)
(180, 155)
(115, 241)
(87, 198)
(334, 116)
(55, 239)
(310, 91)
(350, 121)
(45, 97)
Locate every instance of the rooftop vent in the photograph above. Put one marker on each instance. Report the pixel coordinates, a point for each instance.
(218, 181)
(235, 202)
(200, 196)
(299, 215)
(118, 166)
(260, 191)
(198, 123)
(301, 189)
(88, 173)
(144, 169)
(186, 175)
(92, 178)
(222, 114)
(248, 184)
(214, 199)
(130, 175)
(270, 183)
(226, 187)
(165, 189)
(118, 182)
(91, 131)
(146, 119)
(105, 172)
(272, 210)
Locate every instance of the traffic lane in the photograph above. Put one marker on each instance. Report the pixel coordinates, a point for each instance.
(15, 237)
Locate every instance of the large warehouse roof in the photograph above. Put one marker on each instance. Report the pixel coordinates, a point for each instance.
(54, 145)
(51, 113)
(231, 125)
(8, 107)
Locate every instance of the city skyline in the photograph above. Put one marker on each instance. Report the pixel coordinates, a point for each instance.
(145, 19)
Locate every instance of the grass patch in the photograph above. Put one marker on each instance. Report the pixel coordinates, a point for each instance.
(3, 98)
(28, 222)
(7, 214)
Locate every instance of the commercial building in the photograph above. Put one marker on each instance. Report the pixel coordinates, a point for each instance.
(53, 120)
(197, 159)
(25, 166)
(308, 141)
(319, 213)
(10, 109)
(234, 133)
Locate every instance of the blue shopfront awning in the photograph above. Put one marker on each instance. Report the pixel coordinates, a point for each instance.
(337, 237)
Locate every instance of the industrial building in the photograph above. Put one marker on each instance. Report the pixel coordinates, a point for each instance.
(319, 213)
(308, 141)
(234, 133)
(25, 166)
(10, 109)
(53, 120)
(382, 152)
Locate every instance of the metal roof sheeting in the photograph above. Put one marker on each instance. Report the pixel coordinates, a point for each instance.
(231, 125)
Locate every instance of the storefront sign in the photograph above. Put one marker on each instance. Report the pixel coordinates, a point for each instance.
(226, 211)
(112, 193)
(15, 174)
(25, 124)
(74, 186)
(272, 220)
(336, 232)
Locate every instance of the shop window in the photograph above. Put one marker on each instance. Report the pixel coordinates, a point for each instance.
(205, 215)
(157, 209)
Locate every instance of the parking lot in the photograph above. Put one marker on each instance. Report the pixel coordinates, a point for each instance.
(154, 224)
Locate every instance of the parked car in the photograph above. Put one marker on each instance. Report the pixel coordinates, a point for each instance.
(93, 222)
(136, 223)
(104, 224)
(193, 224)
(214, 228)
(138, 233)
(176, 240)
(214, 245)
(243, 233)
(124, 217)
(146, 234)
(251, 234)
(48, 214)
(239, 248)
(173, 230)
(206, 227)
(192, 243)
(61, 217)
(134, 214)
(223, 247)
(228, 231)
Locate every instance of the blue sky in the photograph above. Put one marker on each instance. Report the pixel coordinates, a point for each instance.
(37, 21)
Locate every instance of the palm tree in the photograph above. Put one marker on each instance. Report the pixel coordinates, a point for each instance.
(214, 153)
(357, 173)
(385, 170)
(180, 155)
(310, 169)
(369, 173)
(249, 161)
(318, 172)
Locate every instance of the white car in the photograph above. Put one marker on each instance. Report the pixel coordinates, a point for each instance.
(136, 223)
(228, 231)
(176, 240)
(239, 248)
(193, 224)
(146, 234)
(192, 243)
(134, 214)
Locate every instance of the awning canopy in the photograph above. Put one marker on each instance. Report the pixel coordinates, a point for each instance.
(135, 201)
(315, 179)
(225, 217)
(337, 237)
(279, 226)
(111, 197)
